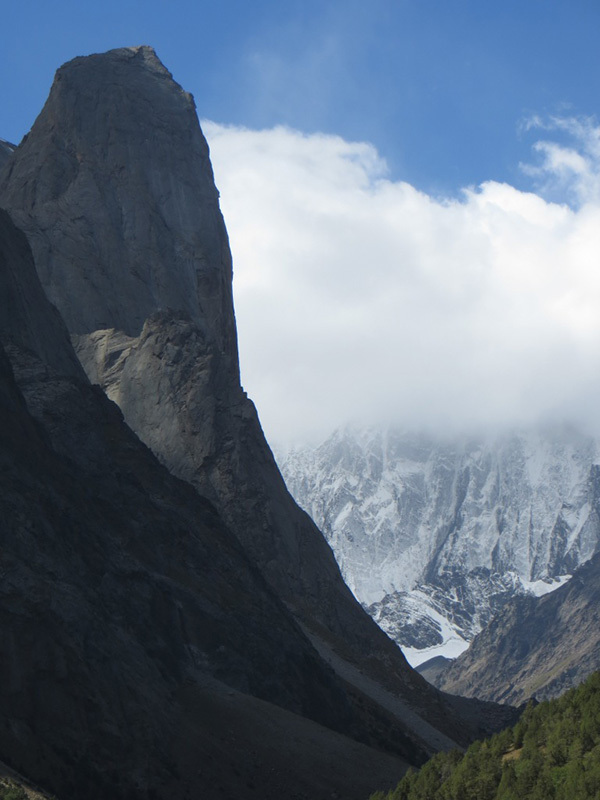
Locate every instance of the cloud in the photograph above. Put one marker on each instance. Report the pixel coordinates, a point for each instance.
(358, 296)
(572, 172)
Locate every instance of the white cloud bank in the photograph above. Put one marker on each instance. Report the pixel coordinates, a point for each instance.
(357, 296)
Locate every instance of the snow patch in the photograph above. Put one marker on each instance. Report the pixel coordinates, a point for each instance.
(451, 648)
(540, 588)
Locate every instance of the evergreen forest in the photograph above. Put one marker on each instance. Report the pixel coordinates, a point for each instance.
(553, 753)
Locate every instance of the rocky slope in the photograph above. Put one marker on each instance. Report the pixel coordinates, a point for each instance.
(185, 634)
(535, 647)
(126, 604)
(434, 536)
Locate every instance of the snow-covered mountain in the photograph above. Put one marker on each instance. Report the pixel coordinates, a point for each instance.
(433, 536)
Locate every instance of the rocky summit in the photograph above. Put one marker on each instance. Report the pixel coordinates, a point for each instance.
(174, 625)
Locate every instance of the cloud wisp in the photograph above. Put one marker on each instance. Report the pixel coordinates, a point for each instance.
(570, 171)
(361, 297)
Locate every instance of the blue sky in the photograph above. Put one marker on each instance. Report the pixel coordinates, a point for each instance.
(411, 189)
(438, 86)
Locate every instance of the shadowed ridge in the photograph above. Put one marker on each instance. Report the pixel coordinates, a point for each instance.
(135, 631)
(26, 317)
(6, 150)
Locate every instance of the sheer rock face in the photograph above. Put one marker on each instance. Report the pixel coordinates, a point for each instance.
(535, 647)
(114, 190)
(135, 630)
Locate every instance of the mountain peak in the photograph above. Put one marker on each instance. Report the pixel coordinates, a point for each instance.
(144, 56)
(118, 170)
